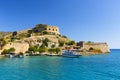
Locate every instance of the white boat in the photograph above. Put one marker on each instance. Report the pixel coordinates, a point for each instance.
(20, 56)
(11, 55)
(70, 53)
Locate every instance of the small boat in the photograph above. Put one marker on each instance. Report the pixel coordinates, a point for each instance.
(21, 55)
(11, 55)
(70, 53)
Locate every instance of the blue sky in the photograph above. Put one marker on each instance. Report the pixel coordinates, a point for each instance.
(86, 20)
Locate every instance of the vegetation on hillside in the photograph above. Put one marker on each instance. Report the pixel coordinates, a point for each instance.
(7, 51)
(50, 43)
(54, 50)
(2, 43)
(3, 34)
(40, 49)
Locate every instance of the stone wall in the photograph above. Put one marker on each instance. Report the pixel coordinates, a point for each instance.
(50, 29)
(101, 46)
(19, 47)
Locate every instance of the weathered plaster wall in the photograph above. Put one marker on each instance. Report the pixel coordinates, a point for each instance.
(19, 47)
(102, 46)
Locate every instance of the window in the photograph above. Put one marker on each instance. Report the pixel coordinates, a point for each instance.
(53, 29)
(49, 29)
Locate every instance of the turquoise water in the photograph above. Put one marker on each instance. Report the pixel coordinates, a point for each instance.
(95, 67)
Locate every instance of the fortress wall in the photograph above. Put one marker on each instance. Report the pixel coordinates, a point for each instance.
(50, 29)
(19, 47)
(53, 29)
(102, 46)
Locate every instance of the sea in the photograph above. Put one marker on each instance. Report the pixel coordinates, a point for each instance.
(92, 67)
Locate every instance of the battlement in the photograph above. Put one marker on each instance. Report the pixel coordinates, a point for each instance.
(47, 28)
(95, 45)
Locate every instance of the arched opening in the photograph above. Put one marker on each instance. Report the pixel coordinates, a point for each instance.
(90, 49)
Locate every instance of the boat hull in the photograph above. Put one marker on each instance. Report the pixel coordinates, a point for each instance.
(71, 56)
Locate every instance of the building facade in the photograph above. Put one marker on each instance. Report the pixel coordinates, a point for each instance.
(47, 28)
(98, 45)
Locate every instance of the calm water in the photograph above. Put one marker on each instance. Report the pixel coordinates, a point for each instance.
(96, 67)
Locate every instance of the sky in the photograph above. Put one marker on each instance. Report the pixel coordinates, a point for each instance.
(80, 20)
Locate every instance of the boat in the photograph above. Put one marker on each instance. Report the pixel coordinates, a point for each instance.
(20, 55)
(11, 55)
(70, 53)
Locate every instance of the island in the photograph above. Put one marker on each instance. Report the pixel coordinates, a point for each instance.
(45, 39)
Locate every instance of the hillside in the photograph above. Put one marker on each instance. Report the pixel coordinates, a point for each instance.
(3, 34)
(40, 37)
(44, 38)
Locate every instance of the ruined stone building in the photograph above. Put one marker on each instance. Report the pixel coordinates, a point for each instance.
(47, 28)
(92, 45)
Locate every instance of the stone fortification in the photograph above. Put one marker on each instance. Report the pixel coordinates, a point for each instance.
(19, 47)
(91, 45)
(47, 28)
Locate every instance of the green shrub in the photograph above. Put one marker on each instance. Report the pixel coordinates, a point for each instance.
(53, 46)
(71, 43)
(33, 48)
(45, 42)
(7, 51)
(30, 31)
(14, 33)
(57, 50)
(2, 43)
(42, 50)
(61, 44)
(51, 50)
(54, 50)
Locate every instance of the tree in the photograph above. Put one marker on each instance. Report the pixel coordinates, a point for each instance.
(53, 46)
(71, 43)
(30, 31)
(89, 42)
(42, 46)
(38, 26)
(51, 50)
(2, 42)
(33, 48)
(42, 50)
(14, 33)
(7, 51)
(61, 44)
(57, 50)
(64, 36)
(12, 49)
(54, 50)
(45, 42)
